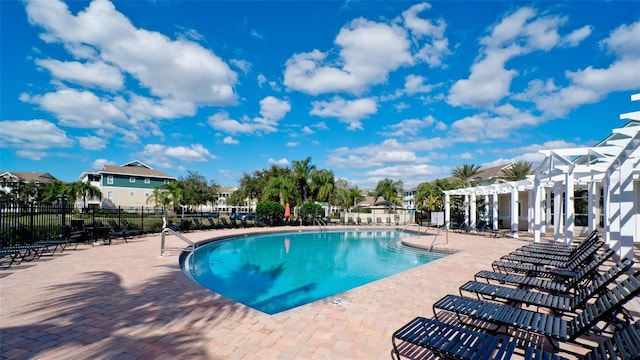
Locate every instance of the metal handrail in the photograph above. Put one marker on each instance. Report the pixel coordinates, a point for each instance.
(321, 223)
(163, 248)
(412, 224)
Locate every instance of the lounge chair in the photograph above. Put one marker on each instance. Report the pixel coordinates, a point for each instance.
(557, 303)
(559, 248)
(557, 261)
(378, 221)
(565, 252)
(606, 308)
(369, 221)
(566, 285)
(19, 254)
(350, 221)
(455, 342)
(559, 268)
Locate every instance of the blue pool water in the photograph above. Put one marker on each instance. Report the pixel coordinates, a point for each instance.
(277, 272)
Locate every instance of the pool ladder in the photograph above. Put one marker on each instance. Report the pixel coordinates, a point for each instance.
(191, 246)
(321, 223)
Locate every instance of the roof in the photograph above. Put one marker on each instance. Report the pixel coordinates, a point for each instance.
(29, 176)
(135, 168)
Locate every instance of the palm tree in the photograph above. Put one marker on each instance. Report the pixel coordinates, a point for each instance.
(322, 185)
(466, 173)
(86, 190)
(159, 196)
(302, 170)
(389, 190)
(281, 188)
(517, 171)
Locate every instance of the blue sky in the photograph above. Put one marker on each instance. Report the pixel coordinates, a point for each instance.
(371, 90)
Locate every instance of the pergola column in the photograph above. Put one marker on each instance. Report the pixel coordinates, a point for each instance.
(538, 191)
(494, 212)
(592, 206)
(530, 209)
(472, 212)
(569, 211)
(486, 208)
(547, 215)
(606, 209)
(447, 210)
(557, 213)
(514, 212)
(466, 210)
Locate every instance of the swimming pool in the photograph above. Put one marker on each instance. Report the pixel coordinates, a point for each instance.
(279, 271)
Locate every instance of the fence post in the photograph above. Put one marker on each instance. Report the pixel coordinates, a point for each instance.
(142, 220)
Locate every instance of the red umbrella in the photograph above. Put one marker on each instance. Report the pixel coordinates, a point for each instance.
(287, 211)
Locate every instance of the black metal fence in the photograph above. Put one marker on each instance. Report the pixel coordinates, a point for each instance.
(23, 225)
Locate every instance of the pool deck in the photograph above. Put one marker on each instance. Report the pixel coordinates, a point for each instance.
(124, 301)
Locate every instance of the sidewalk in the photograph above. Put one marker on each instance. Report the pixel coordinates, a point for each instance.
(124, 301)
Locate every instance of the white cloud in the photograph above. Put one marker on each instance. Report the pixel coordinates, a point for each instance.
(92, 143)
(81, 109)
(99, 164)
(576, 36)
(31, 137)
(414, 84)
(243, 65)
(279, 162)
(177, 69)
(590, 84)
(292, 144)
(436, 46)
(164, 156)
(229, 140)
(221, 121)
(369, 51)
(410, 127)
(92, 74)
(347, 111)
(273, 109)
(517, 34)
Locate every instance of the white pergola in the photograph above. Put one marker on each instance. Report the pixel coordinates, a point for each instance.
(612, 166)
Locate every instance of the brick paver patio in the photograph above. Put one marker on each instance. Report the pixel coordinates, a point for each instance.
(124, 301)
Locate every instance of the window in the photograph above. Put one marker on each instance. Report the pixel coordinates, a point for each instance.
(166, 182)
(147, 181)
(146, 194)
(132, 194)
(110, 180)
(110, 195)
(132, 179)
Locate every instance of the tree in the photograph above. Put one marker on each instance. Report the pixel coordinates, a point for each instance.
(280, 188)
(196, 191)
(310, 210)
(322, 185)
(389, 190)
(302, 170)
(85, 190)
(272, 211)
(347, 194)
(159, 196)
(517, 171)
(52, 191)
(174, 196)
(466, 173)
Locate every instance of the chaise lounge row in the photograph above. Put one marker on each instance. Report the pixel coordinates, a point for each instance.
(561, 300)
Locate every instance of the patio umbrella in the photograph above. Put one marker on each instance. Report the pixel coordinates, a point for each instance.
(287, 211)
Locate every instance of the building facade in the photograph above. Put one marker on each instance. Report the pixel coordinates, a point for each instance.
(128, 186)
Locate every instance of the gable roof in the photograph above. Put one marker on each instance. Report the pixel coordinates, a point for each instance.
(29, 176)
(134, 168)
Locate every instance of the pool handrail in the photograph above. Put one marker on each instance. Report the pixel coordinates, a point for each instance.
(191, 245)
(318, 221)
